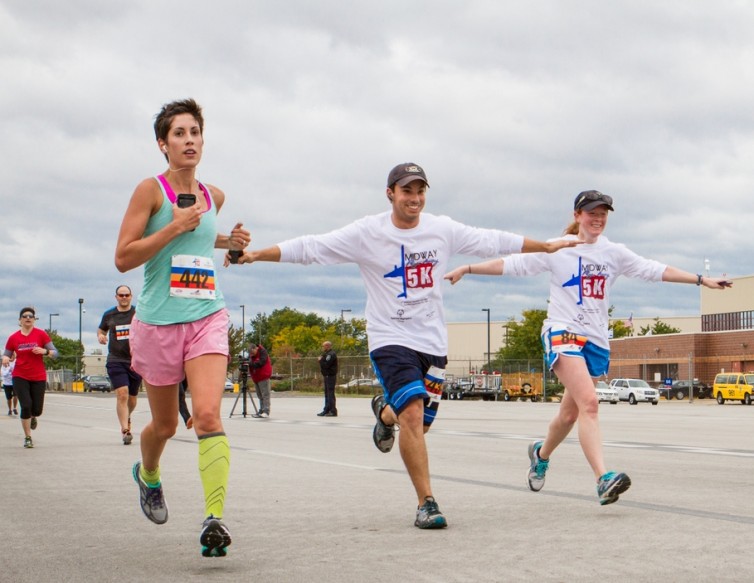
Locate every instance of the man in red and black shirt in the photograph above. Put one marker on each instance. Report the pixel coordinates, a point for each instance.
(260, 368)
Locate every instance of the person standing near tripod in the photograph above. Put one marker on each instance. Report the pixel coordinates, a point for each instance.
(261, 371)
(328, 364)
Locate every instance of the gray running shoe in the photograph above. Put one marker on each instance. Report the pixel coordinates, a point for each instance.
(151, 499)
(428, 515)
(383, 435)
(611, 486)
(127, 438)
(535, 477)
(28, 443)
(215, 538)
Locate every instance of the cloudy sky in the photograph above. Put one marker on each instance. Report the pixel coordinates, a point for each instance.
(511, 107)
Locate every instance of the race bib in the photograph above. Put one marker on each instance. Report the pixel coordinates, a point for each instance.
(192, 277)
(564, 341)
(433, 383)
(122, 331)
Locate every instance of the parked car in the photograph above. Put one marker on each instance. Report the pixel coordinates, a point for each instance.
(734, 387)
(229, 385)
(605, 394)
(635, 390)
(97, 383)
(353, 383)
(680, 390)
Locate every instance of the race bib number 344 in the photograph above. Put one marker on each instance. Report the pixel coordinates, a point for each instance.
(192, 277)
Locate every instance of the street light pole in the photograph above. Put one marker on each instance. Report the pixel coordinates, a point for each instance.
(81, 344)
(50, 328)
(489, 357)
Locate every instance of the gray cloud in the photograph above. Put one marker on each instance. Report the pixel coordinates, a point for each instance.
(511, 107)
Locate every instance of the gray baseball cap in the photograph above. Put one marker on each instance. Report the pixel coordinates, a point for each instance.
(404, 173)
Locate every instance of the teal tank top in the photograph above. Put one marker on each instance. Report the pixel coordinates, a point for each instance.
(180, 281)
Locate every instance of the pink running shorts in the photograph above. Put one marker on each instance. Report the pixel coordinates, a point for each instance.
(158, 353)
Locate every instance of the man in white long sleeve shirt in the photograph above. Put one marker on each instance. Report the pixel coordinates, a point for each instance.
(402, 255)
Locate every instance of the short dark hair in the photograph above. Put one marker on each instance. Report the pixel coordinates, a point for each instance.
(125, 286)
(165, 117)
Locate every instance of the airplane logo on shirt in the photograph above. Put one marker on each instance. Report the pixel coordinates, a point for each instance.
(417, 273)
(590, 286)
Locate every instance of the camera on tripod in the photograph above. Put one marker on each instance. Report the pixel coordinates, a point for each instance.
(243, 369)
(243, 363)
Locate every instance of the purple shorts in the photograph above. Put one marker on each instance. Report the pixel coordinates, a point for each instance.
(158, 353)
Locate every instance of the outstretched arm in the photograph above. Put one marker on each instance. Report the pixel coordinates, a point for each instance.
(268, 254)
(491, 267)
(534, 246)
(675, 275)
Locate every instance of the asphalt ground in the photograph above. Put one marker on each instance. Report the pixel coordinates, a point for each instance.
(311, 499)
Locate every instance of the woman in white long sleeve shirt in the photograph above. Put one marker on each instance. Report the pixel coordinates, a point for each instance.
(575, 333)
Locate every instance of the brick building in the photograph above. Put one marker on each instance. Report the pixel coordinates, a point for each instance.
(725, 344)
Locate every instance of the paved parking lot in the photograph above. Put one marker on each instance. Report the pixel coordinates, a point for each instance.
(311, 499)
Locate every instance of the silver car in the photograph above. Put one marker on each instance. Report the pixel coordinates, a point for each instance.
(605, 394)
(635, 390)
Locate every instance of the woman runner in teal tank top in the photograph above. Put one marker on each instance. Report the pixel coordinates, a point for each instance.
(181, 324)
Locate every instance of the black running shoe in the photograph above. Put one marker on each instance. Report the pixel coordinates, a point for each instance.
(33, 422)
(383, 435)
(428, 515)
(151, 499)
(215, 538)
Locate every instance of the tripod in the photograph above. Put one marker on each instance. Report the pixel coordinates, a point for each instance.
(245, 393)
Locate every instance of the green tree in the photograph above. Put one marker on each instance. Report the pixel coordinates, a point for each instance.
(524, 337)
(658, 328)
(69, 352)
(619, 327)
(287, 332)
(266, 327)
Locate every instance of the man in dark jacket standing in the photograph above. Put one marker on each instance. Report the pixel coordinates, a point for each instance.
(328, 364)
(261, 371)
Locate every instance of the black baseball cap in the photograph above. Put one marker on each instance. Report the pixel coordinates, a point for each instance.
(591, 199)
(404, 173)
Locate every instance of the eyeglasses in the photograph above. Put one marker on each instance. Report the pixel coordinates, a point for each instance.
(124, 295)
(591, 196)
(28, 316)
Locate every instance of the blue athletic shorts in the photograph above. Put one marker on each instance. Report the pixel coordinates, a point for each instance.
(407, 375)
(557, 342)
(122, 375)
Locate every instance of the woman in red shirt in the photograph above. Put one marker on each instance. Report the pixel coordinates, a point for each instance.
(30, 345)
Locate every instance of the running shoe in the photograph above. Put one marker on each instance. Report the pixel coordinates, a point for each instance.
(10, 413)
(428, 515)
(611, 485)
(535, 477)
(383, 435)
(127, 438)
(33, 422)
(28, 443)
(15, 411)
(151, 499)
(215, 538)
